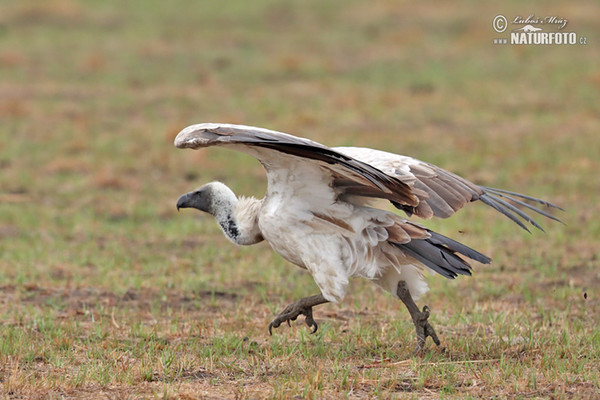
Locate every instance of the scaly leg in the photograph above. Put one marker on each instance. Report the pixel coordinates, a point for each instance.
(303, 306)
(419, 318)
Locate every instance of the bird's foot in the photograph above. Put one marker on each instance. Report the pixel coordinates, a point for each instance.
(423, 329)
(291, 313)
(420, 318)
(301, 307)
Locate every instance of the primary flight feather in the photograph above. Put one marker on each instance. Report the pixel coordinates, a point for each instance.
(316, 214)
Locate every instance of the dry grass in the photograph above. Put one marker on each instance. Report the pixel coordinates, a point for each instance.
(106, 291)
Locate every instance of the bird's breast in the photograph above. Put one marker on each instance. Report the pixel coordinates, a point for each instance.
(284, 229)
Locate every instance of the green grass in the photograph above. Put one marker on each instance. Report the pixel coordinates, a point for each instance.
(105, 288)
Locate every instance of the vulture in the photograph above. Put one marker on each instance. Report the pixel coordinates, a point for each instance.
(318, 214)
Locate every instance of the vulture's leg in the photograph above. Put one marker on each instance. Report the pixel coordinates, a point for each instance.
(303, 306)
(419, 318)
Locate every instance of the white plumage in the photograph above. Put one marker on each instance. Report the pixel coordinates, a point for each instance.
(316, 214)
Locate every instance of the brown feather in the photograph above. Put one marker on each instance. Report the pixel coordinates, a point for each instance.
(335, 221)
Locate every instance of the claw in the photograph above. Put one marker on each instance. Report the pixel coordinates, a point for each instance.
(312, 324)
(292, 315)
(424, 330)
(293, 311)
(420, 318)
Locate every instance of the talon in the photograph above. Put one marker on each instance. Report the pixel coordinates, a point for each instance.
(312, 324)
(293, 311)
(420, 318)
(271, 326)
(285, 316)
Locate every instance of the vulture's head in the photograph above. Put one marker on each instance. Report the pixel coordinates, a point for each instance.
(211, 198)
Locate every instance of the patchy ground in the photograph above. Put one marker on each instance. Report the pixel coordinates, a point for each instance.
(201, 344)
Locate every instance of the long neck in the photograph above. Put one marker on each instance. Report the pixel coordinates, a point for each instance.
(239, 220)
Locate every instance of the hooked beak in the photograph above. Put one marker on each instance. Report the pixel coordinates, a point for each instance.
(184, 201)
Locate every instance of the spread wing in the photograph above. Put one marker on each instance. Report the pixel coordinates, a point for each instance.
(349, 175)
(442, 193)
(413, 186)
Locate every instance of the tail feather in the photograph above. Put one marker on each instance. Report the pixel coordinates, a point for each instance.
(438, 252)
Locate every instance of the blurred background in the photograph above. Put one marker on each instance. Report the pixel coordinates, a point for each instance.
(93, 93)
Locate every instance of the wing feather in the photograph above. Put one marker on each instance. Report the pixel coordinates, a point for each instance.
(441, 193)
(413, 186)
(357, 176)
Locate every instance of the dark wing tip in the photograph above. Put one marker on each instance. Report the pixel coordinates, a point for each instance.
(508, 194)
(501, 201)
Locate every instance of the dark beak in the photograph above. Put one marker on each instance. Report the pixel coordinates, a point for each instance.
(184, 201)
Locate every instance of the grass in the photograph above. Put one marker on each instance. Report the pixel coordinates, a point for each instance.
(106, 290)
